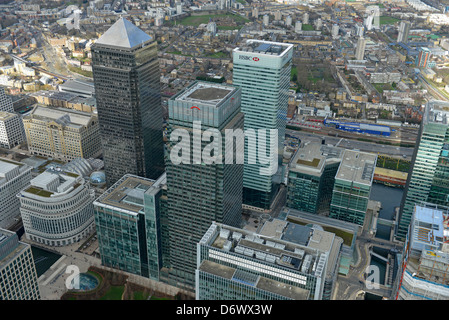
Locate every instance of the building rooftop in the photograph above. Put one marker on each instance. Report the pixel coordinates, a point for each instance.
(312, 157)
(127, 194)
(62, 116)
(4, 116)
(238, 275)
(357, 166)
(123, 34)
(264, 47)
(206, 93)
(436, 112)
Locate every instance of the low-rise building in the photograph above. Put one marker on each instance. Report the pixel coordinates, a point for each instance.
(14, 176)
(57, 208)
(61, 133)
(18, 275)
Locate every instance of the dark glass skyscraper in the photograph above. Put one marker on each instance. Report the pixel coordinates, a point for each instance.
(126, 75)
(198, 192)
(428, 180)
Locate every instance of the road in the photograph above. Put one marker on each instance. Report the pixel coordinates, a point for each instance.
(354, 144)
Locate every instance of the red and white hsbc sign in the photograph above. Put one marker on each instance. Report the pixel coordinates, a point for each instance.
(248, 58)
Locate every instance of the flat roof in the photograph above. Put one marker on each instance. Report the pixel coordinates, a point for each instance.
(264, 47)
(206, 93)
(270, 285)
(357, 166)
(127, 193)
(436, 111)
(312, 157)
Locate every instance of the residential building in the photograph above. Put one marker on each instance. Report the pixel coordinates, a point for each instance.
(127, 88)
(360, 49)
(311, 177)
(352, 186)
(57, 208)
(14, 176)
(201, 190)
(128, 225)
(262, 71)
(17, 270)
(403, 32)
(427, 177)
(61, 133)
(423, 57)
(284, 261)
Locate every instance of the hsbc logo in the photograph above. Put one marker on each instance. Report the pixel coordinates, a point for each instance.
(249, 58)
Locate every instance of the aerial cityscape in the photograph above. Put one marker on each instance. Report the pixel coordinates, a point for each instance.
(228, 150)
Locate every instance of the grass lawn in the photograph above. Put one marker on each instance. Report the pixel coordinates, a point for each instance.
(387, 20)
(197, 20)
(307, 27)
(380, 87)
(114, 293)
(138, 295)
(220, 55)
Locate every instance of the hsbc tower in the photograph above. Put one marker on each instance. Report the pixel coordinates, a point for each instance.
(262, 71)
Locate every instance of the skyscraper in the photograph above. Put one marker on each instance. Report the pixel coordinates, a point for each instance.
(262, 71)
(199, 191)
(126, 75)
(427, 180)
(404, 29)
(360, 49)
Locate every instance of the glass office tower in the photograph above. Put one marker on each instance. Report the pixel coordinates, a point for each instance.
(262, 71)
(199, 192)
(128, 223)
(428, 179)
(311, 177)
(127, 88)
(352, 186)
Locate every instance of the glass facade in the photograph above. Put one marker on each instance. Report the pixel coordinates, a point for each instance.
(429, 176)
(127, 90)
(198, 194)
(311, 193)
(349, 201)
(264, 79)
(127, 218)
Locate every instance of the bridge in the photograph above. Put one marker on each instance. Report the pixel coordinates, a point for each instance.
(378, 256)
(386, 222)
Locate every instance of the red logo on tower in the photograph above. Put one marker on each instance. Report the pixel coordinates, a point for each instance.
(256, 59)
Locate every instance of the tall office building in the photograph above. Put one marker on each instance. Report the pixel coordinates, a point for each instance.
(14, 176)
(128, 224)
(360, 48)
(127, 88)
(199, 191)
(423, 57)
(284, 261)
(311, 177)
(262, 71)
(335, 31)
(428, 175)
(57, 208)
(11, 130)
(404, 30)
(352, 186)
(18, 277)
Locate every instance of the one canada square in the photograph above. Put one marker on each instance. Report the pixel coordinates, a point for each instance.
(126, 75)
